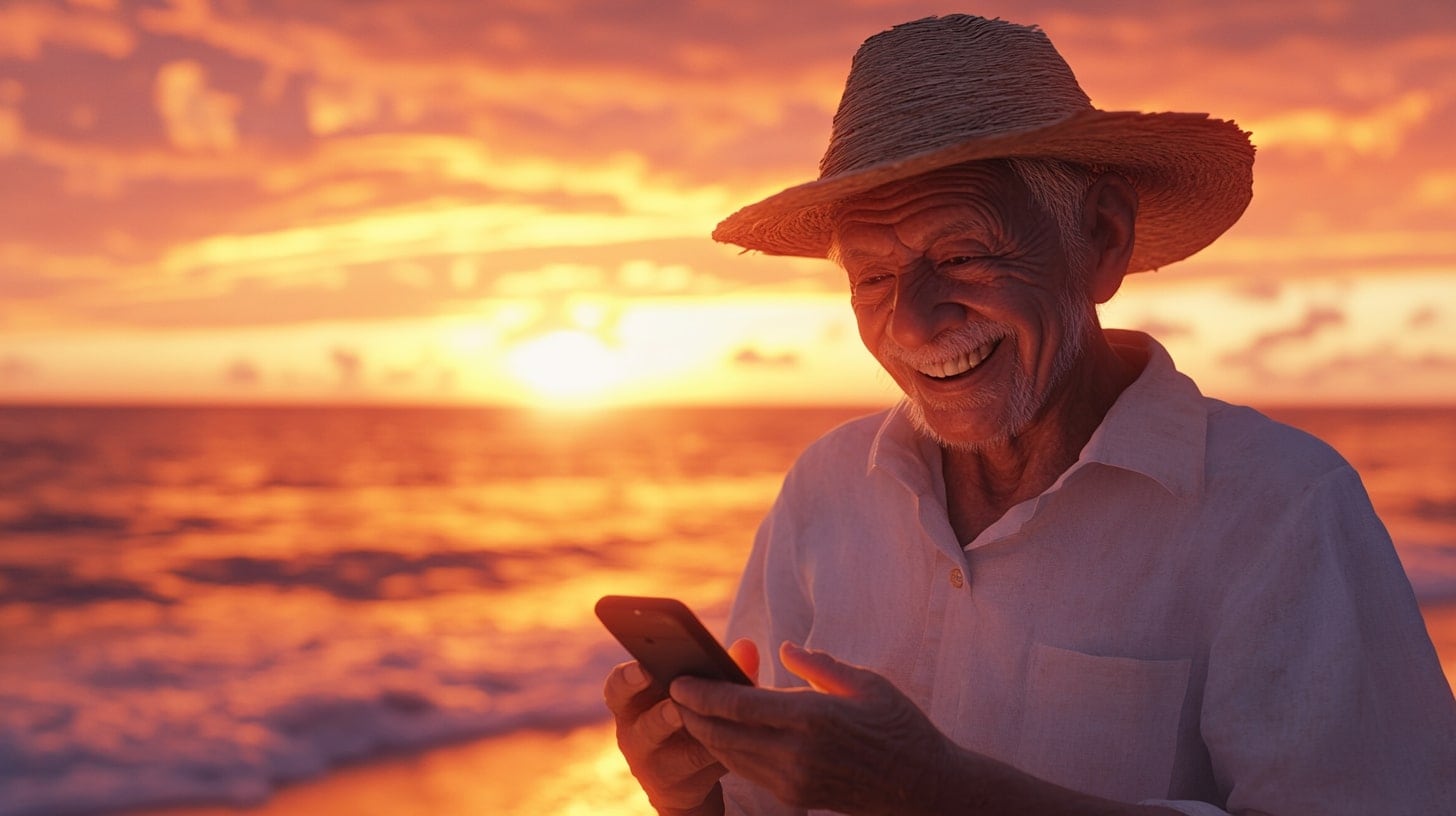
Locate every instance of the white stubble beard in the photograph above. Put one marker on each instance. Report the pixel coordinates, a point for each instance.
(1079, 315)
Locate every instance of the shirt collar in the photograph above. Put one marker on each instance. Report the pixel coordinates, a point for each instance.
(905, 454)
(1157, 428)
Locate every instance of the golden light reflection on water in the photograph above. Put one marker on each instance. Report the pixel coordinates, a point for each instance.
(315, 570)
(531, 773)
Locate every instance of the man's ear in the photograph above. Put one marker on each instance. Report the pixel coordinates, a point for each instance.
(1109, 217)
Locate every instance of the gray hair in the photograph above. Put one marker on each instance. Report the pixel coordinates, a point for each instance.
(1059, 188)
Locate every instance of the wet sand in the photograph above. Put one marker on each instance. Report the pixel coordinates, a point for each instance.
(570, 773)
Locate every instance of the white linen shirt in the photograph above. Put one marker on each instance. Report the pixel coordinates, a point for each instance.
(1203, 612)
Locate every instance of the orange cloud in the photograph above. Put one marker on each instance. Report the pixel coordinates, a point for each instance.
(27, 28)
(15, 368)
(1381, 131)
(1423, 317)
(197, 117)
(11, 130)
(240, 165)
(334, 107)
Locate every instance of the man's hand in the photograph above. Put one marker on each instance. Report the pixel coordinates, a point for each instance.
(852, 743)
(679, 775)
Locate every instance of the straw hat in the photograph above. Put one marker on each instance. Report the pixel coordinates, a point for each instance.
(945, 90)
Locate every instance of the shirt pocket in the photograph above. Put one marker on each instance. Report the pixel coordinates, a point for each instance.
(1107, 726)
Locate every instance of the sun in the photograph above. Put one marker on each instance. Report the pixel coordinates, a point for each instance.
(566, 365)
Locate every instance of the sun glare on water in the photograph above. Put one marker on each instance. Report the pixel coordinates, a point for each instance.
(566, 368)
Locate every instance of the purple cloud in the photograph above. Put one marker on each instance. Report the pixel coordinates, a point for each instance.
(1255, 354)
(349, 364)
(243, 373)
(752, 357)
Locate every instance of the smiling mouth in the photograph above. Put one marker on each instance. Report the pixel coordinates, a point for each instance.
(963, 363)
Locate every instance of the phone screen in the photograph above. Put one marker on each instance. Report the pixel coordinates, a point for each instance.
(667, 639)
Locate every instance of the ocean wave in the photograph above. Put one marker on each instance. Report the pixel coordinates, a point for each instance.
(189, 733)
(373, 575)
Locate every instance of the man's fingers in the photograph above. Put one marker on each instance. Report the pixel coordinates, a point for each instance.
(687, 759)
(677, 772)
(715, 733)
(658, 723)
(825, 673)
(675, 757)
(624, 690)
(734, 744)
(690, 777)
(747, 704)
(745, 654)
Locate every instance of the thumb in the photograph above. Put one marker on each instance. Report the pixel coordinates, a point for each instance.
(745, 653)
(825, 673)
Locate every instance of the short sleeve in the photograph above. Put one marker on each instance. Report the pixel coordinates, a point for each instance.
(1324, 694)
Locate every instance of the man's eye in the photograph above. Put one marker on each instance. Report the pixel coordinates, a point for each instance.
(870, 287)
(957, 260)
(871, 280)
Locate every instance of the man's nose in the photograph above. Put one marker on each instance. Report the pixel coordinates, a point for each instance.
(924, 309)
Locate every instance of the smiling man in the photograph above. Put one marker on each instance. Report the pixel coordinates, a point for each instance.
(1055, 578)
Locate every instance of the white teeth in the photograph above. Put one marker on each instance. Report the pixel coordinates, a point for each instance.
(959, 364)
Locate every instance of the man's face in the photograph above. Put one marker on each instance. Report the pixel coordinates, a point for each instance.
(963, 293)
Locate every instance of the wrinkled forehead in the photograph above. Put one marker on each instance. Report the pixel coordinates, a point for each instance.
(977, 195)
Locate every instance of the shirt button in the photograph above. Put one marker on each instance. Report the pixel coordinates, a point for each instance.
(957, 578)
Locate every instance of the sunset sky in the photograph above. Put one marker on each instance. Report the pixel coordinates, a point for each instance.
(509, 201)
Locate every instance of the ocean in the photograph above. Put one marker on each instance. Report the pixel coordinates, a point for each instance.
(203, 604)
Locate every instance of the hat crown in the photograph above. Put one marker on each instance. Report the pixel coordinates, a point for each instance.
(936, 82)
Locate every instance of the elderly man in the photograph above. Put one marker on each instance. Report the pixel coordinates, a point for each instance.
(1055, 578)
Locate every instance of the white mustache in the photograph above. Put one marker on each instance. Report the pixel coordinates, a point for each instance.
(948, 347)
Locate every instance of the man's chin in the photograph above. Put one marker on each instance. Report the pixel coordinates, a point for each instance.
(956, 427)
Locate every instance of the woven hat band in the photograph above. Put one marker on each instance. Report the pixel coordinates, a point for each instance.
(942, 81)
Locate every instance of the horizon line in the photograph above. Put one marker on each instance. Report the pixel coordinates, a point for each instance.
(471, 405)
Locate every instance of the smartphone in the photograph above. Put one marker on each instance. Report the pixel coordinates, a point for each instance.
(667, 639)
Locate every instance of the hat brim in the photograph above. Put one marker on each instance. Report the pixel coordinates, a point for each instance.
(1194, 177)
